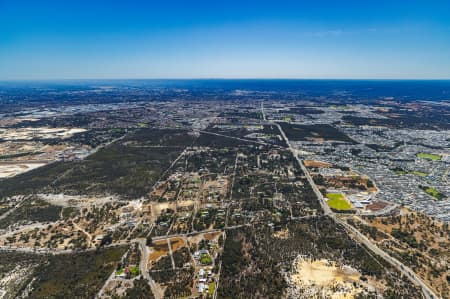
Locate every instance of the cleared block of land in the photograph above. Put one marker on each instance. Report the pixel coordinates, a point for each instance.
(318, 164)
(160, 248)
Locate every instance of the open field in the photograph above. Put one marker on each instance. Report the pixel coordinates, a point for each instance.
(176, 243)
(159, 249)
(323, 272)
(11, 169)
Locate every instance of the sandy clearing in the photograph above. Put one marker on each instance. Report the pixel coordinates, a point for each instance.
(323, 272)
(10, 170)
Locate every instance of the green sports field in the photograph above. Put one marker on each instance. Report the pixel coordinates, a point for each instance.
(337, 201)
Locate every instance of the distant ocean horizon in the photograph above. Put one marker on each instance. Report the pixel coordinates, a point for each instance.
(366, 88)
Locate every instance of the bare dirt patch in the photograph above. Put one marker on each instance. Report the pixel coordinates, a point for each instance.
(323, 279)
(158, 249)
(316, 164)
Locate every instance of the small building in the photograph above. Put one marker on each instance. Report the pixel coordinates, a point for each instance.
(201, 287)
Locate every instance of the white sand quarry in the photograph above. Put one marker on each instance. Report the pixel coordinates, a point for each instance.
(10, 170)
(322, 279)
(42, 132)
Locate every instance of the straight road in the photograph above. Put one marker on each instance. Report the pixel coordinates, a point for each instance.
(157, 292)
(413, 277)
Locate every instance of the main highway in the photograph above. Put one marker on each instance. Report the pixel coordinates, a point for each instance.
(411, 275)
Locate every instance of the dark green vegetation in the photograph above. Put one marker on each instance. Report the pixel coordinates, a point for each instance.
(306, 132)
(428, 117)
(178, 282)
(214, 141)
(140, 290)
(75, 275)
(216, 160)
(9, 259)
(70, 212)
(240, 113)
(305, 110)
(78, 275)
(181, 257)
(128, 167)
(205, 218)
(10, 262)
(259, 133)
(32, 210)
(254, 260)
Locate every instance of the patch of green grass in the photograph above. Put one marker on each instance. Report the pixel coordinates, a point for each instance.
(205, 259)
(211, 288)
(432, 191)
(134, 271)
(432, 157)
(337, 201)
(401, 172)
(335, 196)
(419, 173)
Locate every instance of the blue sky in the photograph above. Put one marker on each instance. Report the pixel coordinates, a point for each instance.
(227, 39)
